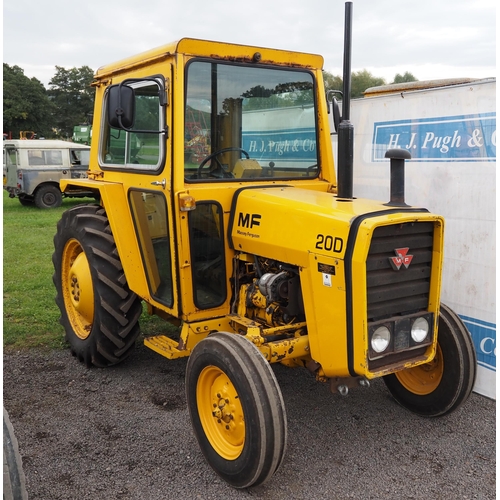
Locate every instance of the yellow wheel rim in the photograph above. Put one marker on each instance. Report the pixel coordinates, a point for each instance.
(221, 413)
(77, 290)
(423, 379)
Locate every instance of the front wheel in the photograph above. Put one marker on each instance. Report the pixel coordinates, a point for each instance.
(99, 313)
(442, 385)
(236, 409)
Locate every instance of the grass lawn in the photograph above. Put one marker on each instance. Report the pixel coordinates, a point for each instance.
(30, 314)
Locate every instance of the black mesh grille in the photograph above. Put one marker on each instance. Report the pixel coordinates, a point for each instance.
(391, 292)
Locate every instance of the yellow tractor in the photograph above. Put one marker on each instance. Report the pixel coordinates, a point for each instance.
(219, 207)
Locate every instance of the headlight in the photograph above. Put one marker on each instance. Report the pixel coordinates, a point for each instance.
(380, 339)
(419, 330)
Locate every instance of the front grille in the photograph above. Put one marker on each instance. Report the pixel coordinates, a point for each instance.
(391, 292)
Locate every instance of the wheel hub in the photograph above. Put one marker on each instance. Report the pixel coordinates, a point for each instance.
(423, 379)
(75, 289)
(78, 290)
(221, 413)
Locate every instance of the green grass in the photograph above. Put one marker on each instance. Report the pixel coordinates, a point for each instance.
(30, 314)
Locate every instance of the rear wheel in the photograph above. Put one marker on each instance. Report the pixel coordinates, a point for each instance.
(236, 409)
(442, 385)
(48, 196)
(98, 311)
(25, 200)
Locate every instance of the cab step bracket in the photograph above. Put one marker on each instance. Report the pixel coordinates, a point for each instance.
(166, 347)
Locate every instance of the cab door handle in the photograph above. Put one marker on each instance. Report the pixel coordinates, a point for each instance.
(161, 183)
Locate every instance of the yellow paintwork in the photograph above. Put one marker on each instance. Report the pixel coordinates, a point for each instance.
(221, 413)
(423, 379)
(293, 216)
(77, 289)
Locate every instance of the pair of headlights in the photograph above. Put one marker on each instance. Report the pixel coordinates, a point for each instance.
(400, 334)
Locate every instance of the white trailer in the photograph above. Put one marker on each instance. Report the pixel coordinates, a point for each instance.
(449, 127)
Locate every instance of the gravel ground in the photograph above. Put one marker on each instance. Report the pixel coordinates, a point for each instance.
(124, 433)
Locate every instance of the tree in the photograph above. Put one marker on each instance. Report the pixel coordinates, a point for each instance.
(73, 97)
(360, 81)
(407, 77)
(363, 80)
(26, 105)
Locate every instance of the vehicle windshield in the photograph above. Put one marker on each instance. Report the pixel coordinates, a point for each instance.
(248, 123)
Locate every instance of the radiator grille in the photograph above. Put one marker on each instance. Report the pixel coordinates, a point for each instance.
(391, 292)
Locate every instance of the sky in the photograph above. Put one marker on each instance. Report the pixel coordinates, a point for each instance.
(431, 39)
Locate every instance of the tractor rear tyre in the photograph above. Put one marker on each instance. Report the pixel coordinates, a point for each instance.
(439, 387)
(236, 409)
(99, 313)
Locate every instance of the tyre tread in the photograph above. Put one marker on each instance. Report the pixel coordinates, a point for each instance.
(116, 308)
(267, 403)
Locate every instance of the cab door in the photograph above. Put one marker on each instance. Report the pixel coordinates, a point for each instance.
(138, 149)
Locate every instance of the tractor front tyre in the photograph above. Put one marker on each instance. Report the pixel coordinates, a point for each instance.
(236, 409)
(99, 313)
(439, 387)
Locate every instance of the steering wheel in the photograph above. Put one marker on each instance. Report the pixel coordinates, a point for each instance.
(312, 168)
(219, 172)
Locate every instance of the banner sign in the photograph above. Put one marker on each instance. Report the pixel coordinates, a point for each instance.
(469, 138)
(484, 337)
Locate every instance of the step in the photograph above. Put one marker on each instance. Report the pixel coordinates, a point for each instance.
(165, 346)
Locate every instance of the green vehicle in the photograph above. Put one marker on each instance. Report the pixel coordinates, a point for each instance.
(82, 134)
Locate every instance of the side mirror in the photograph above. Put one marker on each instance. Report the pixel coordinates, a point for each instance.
(121, 106)
(336, 114)
(330, 99)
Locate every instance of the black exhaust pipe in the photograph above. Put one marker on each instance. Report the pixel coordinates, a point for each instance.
(345, 138)
(397, 157)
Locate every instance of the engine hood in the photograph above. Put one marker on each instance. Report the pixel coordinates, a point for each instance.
(288, 223)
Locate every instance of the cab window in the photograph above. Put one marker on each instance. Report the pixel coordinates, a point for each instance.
(142, 145)
(207, 255)
(246, 122)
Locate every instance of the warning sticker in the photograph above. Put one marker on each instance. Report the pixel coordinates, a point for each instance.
(327, 272)
(327, 279)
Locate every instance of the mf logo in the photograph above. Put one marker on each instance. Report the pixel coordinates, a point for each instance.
(402, 259)
(249, 220)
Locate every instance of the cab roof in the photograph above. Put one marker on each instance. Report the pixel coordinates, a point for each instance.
(43, 144)
(219, 50)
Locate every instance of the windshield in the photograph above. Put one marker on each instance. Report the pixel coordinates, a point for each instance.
(248, 122)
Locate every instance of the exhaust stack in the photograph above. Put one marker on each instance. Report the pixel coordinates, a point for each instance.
(397, 157)
(346, 128)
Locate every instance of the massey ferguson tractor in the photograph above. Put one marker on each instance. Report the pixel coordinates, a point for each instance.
(220, 209)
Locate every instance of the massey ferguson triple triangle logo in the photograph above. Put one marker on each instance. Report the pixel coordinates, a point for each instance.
(402, 259)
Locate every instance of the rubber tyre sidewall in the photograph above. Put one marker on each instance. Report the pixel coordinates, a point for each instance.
(459, 372)
(243, 471)
(14, 480)
(95, 349)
